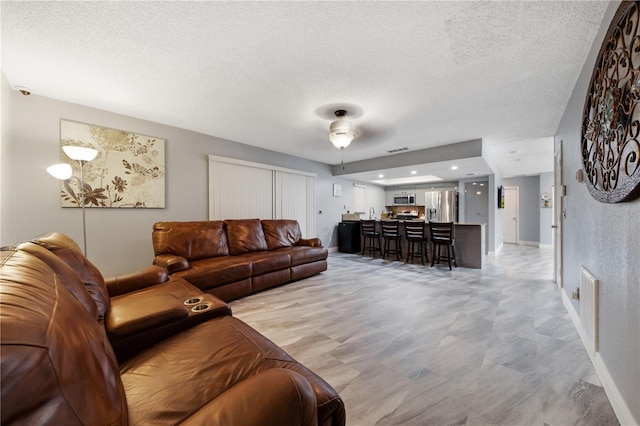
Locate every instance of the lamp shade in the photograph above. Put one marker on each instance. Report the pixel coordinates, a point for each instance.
(60, 171)
(80, 153)
(341, 133)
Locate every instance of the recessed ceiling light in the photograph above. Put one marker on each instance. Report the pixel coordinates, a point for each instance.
(413, 172)
(482, 184)
(474, 183)
(454, 167)
(380, 176)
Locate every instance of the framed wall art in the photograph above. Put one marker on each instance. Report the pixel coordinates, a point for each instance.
(128, 172)
(545, 200)
(610, 145)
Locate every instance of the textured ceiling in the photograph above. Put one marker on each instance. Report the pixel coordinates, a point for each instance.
(270, 74)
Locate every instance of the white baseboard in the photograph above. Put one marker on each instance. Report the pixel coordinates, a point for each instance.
(332, 249)
(618, 404)
(546, 246)
(529, 243)
(493, 254)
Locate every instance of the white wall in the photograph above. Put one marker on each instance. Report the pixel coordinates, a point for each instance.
(604, 238)
(6, 174)
(119, 240)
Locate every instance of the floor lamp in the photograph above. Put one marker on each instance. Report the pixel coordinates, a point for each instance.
(63, 171)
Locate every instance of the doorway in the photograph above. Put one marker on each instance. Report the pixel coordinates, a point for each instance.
(476, 202)
(510, 217)
(558, 210)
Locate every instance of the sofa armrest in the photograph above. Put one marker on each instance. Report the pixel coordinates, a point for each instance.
(289, 401)
(310, 242)
(172, 262)
(152, 275)
(142, 314)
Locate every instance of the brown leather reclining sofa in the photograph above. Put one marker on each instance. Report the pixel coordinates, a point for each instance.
(140, 349)
(234, 258)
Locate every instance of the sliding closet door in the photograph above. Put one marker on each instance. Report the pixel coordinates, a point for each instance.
(295, 197)
(239, 192)
(242, 189)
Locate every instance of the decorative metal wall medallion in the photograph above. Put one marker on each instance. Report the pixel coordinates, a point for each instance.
(611, 118)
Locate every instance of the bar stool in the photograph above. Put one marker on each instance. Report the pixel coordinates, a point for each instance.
(391, 234)
(442, 235)
(416, 235)
(371, 243)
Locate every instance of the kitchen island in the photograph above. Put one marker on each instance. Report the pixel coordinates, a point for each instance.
(470, 243)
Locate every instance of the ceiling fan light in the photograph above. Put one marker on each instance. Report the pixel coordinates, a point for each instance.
(341, 133)
(341, 140)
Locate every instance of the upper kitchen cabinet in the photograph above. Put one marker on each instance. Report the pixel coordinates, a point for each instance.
(404, 189)
(388, 196)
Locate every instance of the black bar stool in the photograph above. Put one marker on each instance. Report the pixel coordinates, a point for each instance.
(391, 234)
(371, 243)
(416, 241)
(442, 235)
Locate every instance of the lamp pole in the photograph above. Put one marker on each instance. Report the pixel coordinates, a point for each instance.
(84, 221)
(64, 171)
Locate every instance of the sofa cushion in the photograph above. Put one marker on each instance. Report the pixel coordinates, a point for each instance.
(290, 401)
(300, 255)
(216, 271)
(66, 249)
(281, 232)
(68, 276)
(191, 240)
(234, 352)
(57, 365)
(245, 235)
(267, 261)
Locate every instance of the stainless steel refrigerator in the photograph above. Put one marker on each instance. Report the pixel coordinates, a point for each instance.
(441, 205)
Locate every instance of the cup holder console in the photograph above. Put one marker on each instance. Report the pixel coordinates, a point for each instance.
(193, 301)
(201, 307)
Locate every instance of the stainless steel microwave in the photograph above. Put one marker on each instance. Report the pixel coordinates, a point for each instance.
(404, 199)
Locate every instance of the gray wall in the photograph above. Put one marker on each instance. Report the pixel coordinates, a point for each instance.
(119, 240)
(528, 206)
(604, 238)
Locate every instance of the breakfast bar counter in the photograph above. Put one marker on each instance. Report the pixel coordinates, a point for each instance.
(469, 242)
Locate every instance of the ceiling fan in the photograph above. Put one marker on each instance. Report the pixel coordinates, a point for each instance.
(341, 131)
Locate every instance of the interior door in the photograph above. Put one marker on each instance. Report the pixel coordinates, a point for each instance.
(558, 208)
(510, 216)
(476, 202)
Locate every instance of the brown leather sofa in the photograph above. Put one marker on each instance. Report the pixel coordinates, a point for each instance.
(60, 319)
(235, 258)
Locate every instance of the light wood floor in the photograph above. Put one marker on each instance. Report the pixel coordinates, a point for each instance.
(409, 344)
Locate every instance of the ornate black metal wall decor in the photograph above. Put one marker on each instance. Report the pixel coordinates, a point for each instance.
(611, 117)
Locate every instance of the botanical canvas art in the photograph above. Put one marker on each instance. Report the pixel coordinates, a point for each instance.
(128, 171)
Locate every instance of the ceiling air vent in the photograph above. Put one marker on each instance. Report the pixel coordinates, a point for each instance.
(393, 151)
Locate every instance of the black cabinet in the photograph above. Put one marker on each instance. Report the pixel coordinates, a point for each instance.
(349, 237)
